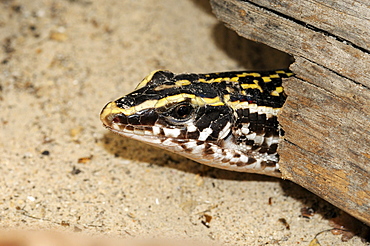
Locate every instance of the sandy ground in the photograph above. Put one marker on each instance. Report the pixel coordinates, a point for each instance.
(61, 61)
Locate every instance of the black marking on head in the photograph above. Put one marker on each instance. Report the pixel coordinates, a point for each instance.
(208, 151)
(240, 164)
(247, 80)
(256, 147)
(125, 101)
(148, 117)
(264, 148)
(218, 125)
(129, 127)
(133, 119)
(271, 127)
(185, 148)
(265, 164)
(257, 128)
(269, 132)
(190, 77)
(188, 150)
(272, 122)
(243, 115)
(160, 77)
(249, 142)
(206, 119)
(253, 117)
(182, 134)
(192, 135)
(214, 117)
(204, 90)
(120, 119)
(261, 118)
(251, 160)
(272, 149)
(148, 129)
(241, 139)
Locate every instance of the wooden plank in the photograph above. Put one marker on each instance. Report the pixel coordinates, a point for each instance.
(326, 118)
(346, 19)
(325, 142)
(352, 92)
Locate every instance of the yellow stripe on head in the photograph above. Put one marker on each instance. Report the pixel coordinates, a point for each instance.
(173, 99)
(182, 82)
(274, 76)
(285, 72)
(251, 86)
(279, 89)
(213, 101)
(137, 108)
(110, 108)
(249, 74)
(266, 79)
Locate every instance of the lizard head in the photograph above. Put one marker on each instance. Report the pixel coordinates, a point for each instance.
(187, 115)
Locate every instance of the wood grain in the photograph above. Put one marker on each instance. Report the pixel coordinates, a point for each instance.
(345, 19)
(326, 118)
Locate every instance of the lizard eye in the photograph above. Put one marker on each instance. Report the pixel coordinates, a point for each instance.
(181, 113)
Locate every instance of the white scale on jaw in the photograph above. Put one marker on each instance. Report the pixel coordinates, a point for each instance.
(191, 127)
(225, 131)
(171, 133)
(203, 135)
(156, 130)
(258, 140)
(198, 149)
(195, 149)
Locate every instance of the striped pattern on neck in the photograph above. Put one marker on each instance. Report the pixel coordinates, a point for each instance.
(226, 120)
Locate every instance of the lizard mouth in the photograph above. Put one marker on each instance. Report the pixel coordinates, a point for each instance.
(172, 139)
(144, 124)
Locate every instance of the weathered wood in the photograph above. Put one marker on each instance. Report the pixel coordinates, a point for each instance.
(326, 118)
(346, 18)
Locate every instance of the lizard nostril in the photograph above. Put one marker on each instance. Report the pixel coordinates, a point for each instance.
(119, 119)
(116, 119)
